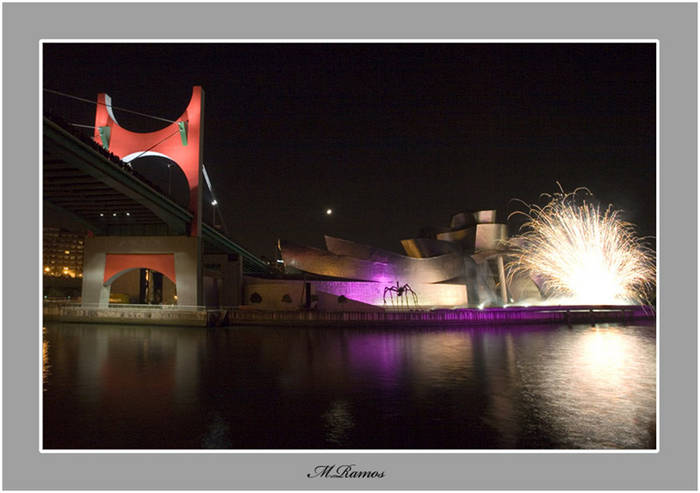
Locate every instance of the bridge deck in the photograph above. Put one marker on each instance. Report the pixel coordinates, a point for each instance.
(94, 188)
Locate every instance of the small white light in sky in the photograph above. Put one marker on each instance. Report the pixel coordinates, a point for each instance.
(214, 202)
(329, 212)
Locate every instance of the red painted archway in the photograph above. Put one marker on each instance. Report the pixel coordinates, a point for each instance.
(117, 263)
(180, 141)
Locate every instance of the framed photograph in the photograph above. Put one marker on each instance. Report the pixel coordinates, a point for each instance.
(369, 260)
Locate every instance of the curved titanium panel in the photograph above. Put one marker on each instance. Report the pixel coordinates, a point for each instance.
(467, 219)
(485, 217)
(427, 247)
(462, 220)
(340, 246)
(350, 248)
(392, 268)
(479, 237)
(464, 237)
(490, 236)
(484, 255)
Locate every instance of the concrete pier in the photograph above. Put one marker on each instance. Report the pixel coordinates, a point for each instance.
(146, 315)
(464, 317)
(208, 317)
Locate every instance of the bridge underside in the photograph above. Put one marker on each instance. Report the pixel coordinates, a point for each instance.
(98, 194)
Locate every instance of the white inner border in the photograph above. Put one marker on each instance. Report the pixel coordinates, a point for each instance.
(347, 451)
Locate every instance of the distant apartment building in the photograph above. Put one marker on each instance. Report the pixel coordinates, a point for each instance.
(63, 253)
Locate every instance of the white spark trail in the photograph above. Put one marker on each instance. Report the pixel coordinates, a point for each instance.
(579, 254)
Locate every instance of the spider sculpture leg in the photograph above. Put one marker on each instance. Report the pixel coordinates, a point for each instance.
(413, 294)
(391, 294)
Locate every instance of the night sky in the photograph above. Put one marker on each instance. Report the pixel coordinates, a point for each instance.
(392, 137)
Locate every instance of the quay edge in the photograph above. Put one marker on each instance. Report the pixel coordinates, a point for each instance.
(207, 317)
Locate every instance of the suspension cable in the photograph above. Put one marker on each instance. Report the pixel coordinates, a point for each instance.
(71, 96)
(156, 144)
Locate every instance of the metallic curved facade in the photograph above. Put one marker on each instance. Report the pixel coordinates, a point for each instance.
(467, 219)
(340, 246)
(479, 237)
(469, 253)
(428, 247)
(379, 267)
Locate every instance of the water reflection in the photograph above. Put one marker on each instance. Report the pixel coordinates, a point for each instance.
(338, 421)
(516, 387)
(217, 433)
(608, 391)
(45, 365)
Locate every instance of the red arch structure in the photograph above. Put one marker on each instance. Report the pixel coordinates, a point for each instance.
(116, 264)
(180, 141)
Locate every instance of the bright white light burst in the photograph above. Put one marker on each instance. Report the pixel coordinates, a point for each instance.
(580, 255)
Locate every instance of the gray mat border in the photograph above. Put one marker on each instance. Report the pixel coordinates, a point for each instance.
(674, 25)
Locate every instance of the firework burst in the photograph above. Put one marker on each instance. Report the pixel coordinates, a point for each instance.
(578, 254)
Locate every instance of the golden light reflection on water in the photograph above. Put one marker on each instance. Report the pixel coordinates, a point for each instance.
(602, 386)
(45, 366)
(604, 355)
(443, 352)
(440, 360)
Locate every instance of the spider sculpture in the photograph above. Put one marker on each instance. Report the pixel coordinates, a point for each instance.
(402, 293)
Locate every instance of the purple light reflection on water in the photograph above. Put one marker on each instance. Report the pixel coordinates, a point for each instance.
(520, 386)
(380, 353)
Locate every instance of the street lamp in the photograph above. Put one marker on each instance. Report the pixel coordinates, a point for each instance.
(214, 203)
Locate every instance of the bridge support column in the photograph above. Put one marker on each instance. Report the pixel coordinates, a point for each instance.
(94, 292)
(107, 257)
(229, 269)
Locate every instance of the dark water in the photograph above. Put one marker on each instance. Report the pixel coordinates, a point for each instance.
(109, 386)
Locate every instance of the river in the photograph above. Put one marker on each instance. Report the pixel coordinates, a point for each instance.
(515, 387)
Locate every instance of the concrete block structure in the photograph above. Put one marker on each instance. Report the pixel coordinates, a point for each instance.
(290, 295)
(223, 280)
(109, 257)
